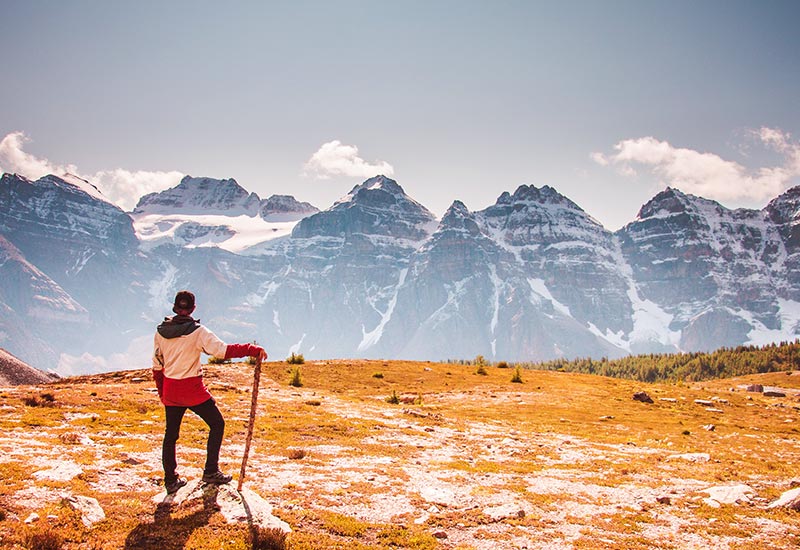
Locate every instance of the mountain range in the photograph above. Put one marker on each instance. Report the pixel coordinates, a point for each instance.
(377, 275)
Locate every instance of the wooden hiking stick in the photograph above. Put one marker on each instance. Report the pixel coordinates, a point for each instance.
(254, 400)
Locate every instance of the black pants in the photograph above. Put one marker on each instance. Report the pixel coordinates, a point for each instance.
(210, 414)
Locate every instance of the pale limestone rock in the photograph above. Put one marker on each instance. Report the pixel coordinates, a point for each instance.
(728, 494)
(244, 507)
(63, 471)
(789, 499)
(90, 510)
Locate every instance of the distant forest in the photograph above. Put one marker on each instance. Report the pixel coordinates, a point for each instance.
(689, 367)
(675, 367)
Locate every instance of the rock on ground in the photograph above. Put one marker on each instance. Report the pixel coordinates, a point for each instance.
(728, 494)
(789, 499)
(244, 507)
(90, 510)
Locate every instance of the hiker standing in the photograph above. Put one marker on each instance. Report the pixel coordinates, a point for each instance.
(178, 343)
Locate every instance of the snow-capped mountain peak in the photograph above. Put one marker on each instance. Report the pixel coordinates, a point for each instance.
(379, 206)
(207, 212)
(201, 196)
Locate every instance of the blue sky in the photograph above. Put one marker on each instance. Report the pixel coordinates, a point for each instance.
(607, 102)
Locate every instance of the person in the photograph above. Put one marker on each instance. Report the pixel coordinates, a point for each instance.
(178, 343)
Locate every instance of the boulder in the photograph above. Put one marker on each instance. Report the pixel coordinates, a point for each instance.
(756, 388)
(90, 510)
(643, 397)
(245, 507)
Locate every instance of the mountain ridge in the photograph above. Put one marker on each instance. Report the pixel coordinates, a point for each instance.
(530, 277)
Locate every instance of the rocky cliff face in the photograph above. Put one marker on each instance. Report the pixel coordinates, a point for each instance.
(376, 275)
(280, 208)
(719, 273)
(342, 268)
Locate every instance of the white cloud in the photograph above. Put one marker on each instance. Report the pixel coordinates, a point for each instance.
(122, 187)
(599, 158)
(137, 356)
(125, 188)
(14, 160)
(336, 159)
(707, 174)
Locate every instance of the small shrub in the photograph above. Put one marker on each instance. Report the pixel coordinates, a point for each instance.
(502, 365)
(46, 400)
(480, 361)
(44, 540)
(517, 377)
(218, 361)
(297, 454)
(296, 359)
(481, 370)
(314, 402)
(394, 399)
(296, 380)
(378, 375)
(262, 538)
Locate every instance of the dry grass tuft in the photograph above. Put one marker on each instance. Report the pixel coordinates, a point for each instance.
(267, 539)
(43, 400)
(297, 454)
(43, 540)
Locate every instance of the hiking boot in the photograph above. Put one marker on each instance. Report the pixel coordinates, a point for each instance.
(217, 478)
(173, 486)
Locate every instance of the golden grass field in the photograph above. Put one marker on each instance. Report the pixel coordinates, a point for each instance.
(464, 461)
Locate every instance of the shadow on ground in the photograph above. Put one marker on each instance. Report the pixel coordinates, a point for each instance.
(170, 529)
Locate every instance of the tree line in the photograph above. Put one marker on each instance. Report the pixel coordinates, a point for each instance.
(676, 367)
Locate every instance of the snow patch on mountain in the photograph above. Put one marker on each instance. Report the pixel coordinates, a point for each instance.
(540, 288)
(372, 337)
(789, 313)
(237, 234)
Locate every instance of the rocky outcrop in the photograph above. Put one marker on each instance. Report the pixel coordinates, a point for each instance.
(14, 372)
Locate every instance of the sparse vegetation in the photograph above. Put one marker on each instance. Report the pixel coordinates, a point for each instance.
(393, 399)
(297, 454)
(218, 361)
(378, 375)
(516, 378)
(570, 443)
(267, 539)
(296, 359)
(344, 526)
(44, 540)
(296, 380)
(43, 400)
